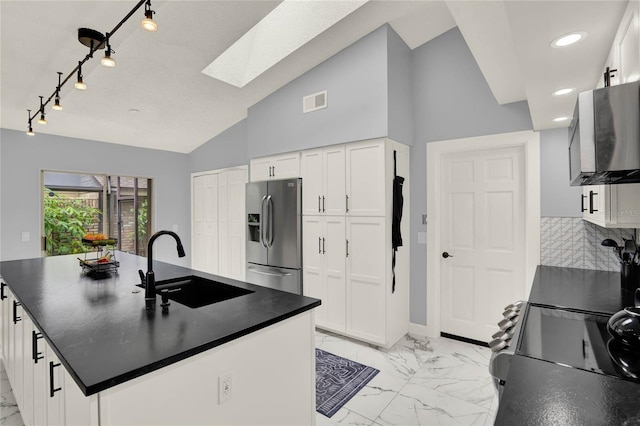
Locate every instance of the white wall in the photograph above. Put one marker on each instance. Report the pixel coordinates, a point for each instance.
(23, 157)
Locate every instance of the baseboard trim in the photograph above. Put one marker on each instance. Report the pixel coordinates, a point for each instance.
(418, 330)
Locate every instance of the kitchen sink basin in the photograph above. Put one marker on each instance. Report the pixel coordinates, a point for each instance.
(194, 291)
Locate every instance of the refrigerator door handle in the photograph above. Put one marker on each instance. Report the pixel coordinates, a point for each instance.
(270, 210)
(271, 274)
(263, 222)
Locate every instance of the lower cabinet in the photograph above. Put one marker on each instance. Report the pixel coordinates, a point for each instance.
(347, 265)
(46, 394)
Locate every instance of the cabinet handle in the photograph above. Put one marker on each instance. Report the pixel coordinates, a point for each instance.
(319, 245)
(319, 204)
(347, 248)
(323, 204)
(2, 295)
(591, 209)
(323, 245)
(346, 203)
(16, 318)
(35, 355)
(583, 209)
(52, 388)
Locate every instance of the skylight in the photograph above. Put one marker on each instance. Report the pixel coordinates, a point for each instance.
(288, 27)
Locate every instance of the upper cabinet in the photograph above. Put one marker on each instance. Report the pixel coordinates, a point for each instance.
(323, 177)
(624, 56)
(612, 206)
(281, 166)
(365, 180)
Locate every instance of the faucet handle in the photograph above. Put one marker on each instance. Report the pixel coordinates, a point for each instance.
(143, 280)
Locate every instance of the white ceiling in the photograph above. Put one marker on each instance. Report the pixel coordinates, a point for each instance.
(159, 74)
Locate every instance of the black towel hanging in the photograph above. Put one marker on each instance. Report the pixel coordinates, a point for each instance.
(396, 234)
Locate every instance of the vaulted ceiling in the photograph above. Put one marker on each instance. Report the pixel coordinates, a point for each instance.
(157, 96)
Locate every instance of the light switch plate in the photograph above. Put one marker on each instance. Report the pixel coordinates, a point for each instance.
(25, 237)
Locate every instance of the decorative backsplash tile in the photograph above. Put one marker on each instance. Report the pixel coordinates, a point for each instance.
(575, 243)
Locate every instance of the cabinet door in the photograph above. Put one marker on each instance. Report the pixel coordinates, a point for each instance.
(4, 319)
(8, 337)
(286, 166)
(334, 253)
(313, 280)
(27, 407)
(40, 383)
(210, 215)
(365, 179)
(311, 170)
(260, 169)
(366, 310)
(595, 206)
(54, 390)
(236, 181)
(629, 49)
(17, 344)
(334, 181)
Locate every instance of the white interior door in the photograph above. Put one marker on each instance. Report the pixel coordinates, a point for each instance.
(223, 225)
(236, 181)
(482, 210)
(210, 195)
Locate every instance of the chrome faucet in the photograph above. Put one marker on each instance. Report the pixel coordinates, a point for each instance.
(150, 280)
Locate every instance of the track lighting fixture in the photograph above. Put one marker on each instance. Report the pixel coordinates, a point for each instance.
(42, 120)
(57, 105)
(94, 40)
(148, 23)
(107, 60)
(30, 130)
(79, 83)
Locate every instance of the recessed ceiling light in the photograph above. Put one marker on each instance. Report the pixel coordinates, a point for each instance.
(568, 39)
(558, 119)
(562, 92)
(285, 29)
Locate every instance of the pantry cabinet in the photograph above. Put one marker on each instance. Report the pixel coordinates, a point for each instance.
(218, 222)
(281, 166)
(324, 178)
(324, 268)
(347, 257)
(612, 206)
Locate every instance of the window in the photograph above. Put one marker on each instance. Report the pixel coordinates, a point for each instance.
(75, 204)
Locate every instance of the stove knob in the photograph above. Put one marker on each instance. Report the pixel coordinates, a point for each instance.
(502, 335)
(497, 345)
(506, 324)
(510, 313)
(514, 306)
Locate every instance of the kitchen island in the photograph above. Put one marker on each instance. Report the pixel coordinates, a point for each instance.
(131, 366)
(563, 372)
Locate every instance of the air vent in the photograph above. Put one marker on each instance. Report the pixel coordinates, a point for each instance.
(314, 102)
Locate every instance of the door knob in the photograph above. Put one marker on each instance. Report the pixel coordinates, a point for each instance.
(445, 255)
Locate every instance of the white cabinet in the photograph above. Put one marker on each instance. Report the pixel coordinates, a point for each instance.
(281, 166)
(324, 268)
(347, 253)
(218, 222)
(324, 179)
(4, 320)
(365, 178)
(366, 278)
(612, 206)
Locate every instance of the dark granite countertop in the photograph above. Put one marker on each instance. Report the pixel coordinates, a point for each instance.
(582, 289)
(102, 333)
(538, 392)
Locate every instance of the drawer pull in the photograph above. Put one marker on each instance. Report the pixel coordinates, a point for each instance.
(35, 355)
(16, 318)
(52, 388)
(2, 295)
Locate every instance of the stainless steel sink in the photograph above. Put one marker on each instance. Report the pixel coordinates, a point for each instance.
(194, 291)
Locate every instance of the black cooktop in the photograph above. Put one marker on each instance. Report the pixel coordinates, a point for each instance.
(577, 339)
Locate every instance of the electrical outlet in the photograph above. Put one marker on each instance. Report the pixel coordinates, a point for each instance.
(225, 387)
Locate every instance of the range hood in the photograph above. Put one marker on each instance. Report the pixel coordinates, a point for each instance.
(604, 136)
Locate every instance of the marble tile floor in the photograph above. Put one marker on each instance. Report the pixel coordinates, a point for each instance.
(421, 382)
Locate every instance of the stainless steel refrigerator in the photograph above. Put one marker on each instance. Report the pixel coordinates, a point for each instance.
(274, 234)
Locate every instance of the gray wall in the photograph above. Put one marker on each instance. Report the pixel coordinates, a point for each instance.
(400, 108)
(356, 81)
(228, 149)
(23, 157)
(451, 99)
(557, 198)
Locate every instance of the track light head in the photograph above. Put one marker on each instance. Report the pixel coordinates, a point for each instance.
(107, 60)
(30, 129)
(148, 23)
(79, 83)
(42, 120)
(56, 106)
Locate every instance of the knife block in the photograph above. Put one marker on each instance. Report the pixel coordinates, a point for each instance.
(630, 276)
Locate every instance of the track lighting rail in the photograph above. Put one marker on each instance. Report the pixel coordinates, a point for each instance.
(93, 47)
